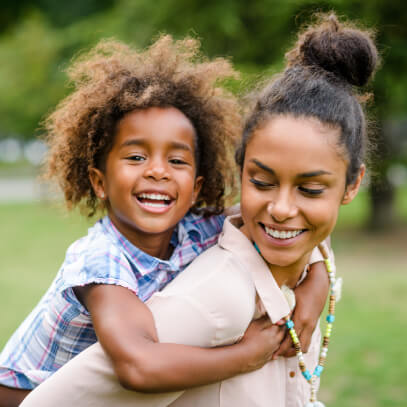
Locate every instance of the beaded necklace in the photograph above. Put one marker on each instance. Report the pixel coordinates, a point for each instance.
(335, 287)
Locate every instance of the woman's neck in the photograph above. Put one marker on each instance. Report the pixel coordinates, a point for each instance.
(288, 276)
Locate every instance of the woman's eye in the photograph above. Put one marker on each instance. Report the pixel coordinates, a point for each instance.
(311, 191)
(261, 184)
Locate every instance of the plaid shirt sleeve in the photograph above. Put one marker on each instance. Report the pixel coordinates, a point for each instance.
(59, 327)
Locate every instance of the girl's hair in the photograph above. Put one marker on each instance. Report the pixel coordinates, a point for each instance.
(114, 79)
(328, 62)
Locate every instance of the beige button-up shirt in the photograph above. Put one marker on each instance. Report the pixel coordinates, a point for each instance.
(211, 303)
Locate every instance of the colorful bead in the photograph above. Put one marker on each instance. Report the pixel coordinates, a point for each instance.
(307, 374)
(318, 370)
(312, 378)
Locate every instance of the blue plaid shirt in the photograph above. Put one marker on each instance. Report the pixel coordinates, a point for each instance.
(59, 327)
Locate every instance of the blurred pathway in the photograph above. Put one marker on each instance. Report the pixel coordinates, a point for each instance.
(21, 190)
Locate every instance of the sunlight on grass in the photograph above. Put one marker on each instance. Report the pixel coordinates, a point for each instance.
(35, 238)
(367, 362)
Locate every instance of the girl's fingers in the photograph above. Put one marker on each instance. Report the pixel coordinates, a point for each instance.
(264, 322)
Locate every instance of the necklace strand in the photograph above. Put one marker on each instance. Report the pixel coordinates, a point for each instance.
(334, 294)
(312, 378)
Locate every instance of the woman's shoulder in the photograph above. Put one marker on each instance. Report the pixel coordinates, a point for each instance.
(219, 289)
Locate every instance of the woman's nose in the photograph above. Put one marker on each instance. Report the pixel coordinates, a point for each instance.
(282, 207)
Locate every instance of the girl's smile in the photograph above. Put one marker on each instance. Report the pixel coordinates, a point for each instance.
(155, 201)
(293, 183)
(149, 180)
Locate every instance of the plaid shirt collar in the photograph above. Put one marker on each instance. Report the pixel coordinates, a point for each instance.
(186, 240)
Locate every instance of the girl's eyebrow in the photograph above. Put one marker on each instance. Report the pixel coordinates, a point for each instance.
(140, 142)
(310, 174)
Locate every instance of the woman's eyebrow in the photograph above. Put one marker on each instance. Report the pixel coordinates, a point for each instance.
(314, 174)
(263, 166)
(310, 174)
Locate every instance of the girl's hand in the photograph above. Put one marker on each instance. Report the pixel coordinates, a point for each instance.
(125, 328)
(262, 338)
(310, 301)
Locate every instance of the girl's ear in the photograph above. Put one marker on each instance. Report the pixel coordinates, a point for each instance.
(352, 189)
(197, 188)
(97, 179)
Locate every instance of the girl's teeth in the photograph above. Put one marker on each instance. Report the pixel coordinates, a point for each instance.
(157, 197)
(281, 234)
(154, 205)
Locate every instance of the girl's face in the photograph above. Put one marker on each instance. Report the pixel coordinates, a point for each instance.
(149, 180)
(293, 183)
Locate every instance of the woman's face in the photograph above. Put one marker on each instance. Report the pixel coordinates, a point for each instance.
(293, 183)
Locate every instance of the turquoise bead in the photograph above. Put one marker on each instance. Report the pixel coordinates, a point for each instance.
(307, 374)
(257, 248)
(289, 324)
(318, 370)
(330, 318)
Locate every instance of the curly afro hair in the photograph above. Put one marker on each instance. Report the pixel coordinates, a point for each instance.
(112, 80)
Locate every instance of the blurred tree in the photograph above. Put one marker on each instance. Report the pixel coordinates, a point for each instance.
(38, 46)
(59, 13)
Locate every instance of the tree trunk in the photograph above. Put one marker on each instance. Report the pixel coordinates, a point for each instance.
(383, 214)
(382, 192)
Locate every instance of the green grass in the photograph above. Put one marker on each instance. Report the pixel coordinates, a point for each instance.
(18, 169)
(367, 362)
(34, 240)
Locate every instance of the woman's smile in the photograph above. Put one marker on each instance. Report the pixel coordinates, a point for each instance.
(290, 205)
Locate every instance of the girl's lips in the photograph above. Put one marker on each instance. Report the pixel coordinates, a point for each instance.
(155, 207)
(154, 201)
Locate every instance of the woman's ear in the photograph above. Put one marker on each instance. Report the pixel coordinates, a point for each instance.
(352, 189)
(97, 179)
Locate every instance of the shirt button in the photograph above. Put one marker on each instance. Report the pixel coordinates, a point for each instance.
(292, 373)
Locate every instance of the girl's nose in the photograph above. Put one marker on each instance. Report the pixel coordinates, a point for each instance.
(158, 170)
(282, 207)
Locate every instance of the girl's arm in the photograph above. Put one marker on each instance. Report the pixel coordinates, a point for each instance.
(310, 297)
(12, 397)
(125, 328)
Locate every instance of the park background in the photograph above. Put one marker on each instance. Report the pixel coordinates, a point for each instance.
(367, 364)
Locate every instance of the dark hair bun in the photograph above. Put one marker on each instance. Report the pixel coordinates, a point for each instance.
(348, 53)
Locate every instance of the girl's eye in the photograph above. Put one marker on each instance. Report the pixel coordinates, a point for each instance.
(261, 184)
(311, 191)
(136, 157)
(177, 161)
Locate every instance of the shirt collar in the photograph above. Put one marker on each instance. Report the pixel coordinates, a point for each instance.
(268, 290)
(185, 239)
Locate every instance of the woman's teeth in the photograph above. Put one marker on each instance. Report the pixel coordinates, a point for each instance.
(282, 234)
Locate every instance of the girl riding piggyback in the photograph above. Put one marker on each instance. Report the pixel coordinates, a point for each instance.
(146, 139)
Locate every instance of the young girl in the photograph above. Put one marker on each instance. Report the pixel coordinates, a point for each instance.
(301, 158)
(146, 136)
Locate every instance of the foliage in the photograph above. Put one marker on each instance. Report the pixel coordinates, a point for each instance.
(42, 36)
(36, 48)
